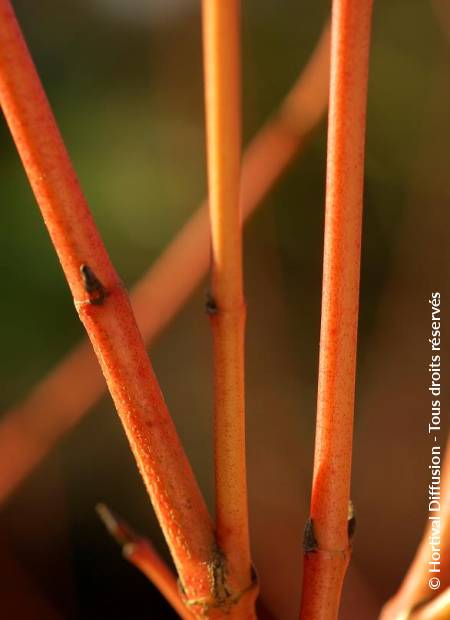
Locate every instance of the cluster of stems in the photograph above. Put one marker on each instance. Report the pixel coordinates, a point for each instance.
(29, 430)
(215, 575)
(214, 570)
(212, 578)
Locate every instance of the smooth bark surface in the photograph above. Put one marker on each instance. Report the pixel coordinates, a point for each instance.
(327, 547)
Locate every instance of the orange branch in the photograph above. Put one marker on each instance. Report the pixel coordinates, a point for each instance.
(437, 609)
(415, 588)
(221, 52)
(327, 548)
(141, 553)
(30, 430)
(103, 307)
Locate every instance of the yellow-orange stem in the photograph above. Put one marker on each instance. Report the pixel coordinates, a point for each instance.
(221, 54)
(30, 430)
(328, 548)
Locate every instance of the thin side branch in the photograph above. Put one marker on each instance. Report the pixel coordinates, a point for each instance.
(140, 552)
(415, 589)
(437, 609)
(327, 547)
(29, 431)
(104, 309)
(226, 307)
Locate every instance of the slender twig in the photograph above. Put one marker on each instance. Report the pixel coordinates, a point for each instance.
(140, 552)
(104, 309)
(437, 609)
(415, 588)
(226, 306)
(327, 547)
(29, 431)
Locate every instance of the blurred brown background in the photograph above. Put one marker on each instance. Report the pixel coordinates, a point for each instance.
(125, 82)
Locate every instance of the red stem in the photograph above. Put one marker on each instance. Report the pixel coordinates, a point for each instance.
(103, 306)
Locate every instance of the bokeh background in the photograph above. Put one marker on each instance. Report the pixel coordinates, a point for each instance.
(125, 82)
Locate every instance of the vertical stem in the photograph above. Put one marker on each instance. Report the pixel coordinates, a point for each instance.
(227, 307)
(327, 548)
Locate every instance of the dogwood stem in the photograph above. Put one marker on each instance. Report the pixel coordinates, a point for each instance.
(226, 307)
(104, 309)
(327, 548)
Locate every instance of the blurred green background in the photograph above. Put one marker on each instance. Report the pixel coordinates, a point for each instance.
(125, 83)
